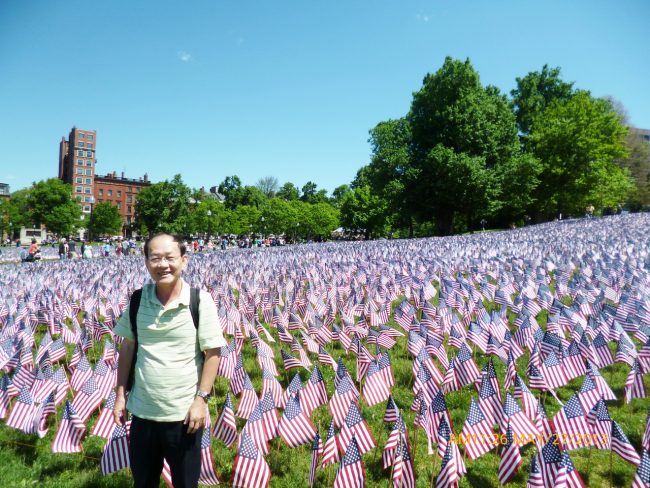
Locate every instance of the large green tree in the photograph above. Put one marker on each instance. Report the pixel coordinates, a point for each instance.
(105, 219)
(464, 143)
(288, 192)
(535, 92)
(578, 142)
(50, 203)
(363, 211)
(164, 207)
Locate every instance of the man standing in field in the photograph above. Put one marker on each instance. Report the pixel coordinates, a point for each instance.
(176, 364)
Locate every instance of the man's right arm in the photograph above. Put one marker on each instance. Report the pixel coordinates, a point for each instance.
(127, 350)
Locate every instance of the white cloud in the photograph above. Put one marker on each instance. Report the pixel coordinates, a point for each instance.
(184, 56)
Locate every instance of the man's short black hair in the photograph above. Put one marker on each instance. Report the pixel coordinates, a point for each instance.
(175, 238)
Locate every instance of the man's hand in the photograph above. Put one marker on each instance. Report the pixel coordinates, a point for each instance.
(119, 410)
(195, 418)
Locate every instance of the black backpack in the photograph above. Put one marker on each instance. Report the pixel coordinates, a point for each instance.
(134, 306)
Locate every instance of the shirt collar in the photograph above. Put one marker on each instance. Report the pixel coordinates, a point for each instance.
(183, 298)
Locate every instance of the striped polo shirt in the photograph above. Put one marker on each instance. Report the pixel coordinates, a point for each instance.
(169, 359)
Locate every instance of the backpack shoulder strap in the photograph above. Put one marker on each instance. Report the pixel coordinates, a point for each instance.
(134, 306)
(195, 300)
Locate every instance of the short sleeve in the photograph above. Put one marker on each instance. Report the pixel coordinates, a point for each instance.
(123, 327)
(210, 333)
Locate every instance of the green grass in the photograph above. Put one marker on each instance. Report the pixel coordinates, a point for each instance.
(27, 460)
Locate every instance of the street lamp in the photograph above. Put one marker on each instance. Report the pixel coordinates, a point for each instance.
(209, 224)
(92, 204)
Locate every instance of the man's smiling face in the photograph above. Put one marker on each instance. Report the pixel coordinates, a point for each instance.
(165, 263)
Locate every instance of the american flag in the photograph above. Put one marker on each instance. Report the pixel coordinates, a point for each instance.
(535, 475)
(570, 473)
(571, 425)
(207, 474)
(517, 421)
(294, 387)
(375, 389)
(87, 399)
(622, 446)
(344, 395)
(550, 461)
(316, 452)
(392, 412)
(116, 451)
(642, 477)
(225, 428)
(250, 470)
(295, 427)
(71, 430)
(388, 454)
(289, 361)
(448, 476)
(331, 449)
(645, 442)
(314, 394)
(510, 459)
(7, 392)
(634, 385)
(600, 425)
(489, 402)
(355, 425)
(81, 373)
(403, 470)
(23, 411)
(248, 399)
(351, 473)
(479, 432)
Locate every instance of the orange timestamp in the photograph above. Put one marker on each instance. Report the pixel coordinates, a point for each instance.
(585, 439)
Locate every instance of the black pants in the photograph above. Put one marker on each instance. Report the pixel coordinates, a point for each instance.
(151, 442)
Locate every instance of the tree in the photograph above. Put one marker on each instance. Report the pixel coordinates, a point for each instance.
(578, 142)
(268, 185)
(14, 213)
(311, 194)
(636, 163)
(535, 92)
(462, 133)
(319, 220)
(280, 217)
(202, 223)
(105, 219)
(363, 211)
(50, 203)
(338, 194)
(390, 172)
(164, 207)
(288, 192)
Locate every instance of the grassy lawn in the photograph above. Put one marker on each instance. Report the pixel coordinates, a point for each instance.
(27, 460)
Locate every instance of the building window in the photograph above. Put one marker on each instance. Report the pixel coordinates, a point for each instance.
(89, 172)
(128, 220)
(82, 135)
(87, 208)
(87, 199)
(80, 144)
(80, 171)
(88, 182)
(109, 193)
(89, 163)
(79, 180)
(128, 209)
(87, 189)
(119, 205)
(90, 137)
(80, 162)
(89, 154)
(100, 192)
(90, 145)
(129, 199)
(78, 189)
(119, 193)
(80, 152)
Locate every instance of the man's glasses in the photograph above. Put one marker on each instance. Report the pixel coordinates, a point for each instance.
(167, 259)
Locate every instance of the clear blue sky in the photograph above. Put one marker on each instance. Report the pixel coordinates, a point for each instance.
(211, 88)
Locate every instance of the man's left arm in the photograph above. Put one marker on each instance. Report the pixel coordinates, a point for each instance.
(196, 415)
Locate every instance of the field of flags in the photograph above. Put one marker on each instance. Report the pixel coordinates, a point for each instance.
(515, 358)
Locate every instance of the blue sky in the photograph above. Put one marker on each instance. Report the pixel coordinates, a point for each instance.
(211, 88)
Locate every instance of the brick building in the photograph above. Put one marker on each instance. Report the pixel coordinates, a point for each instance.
(5, 194)
(122, 193)
(77, 166)
(77, 159)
